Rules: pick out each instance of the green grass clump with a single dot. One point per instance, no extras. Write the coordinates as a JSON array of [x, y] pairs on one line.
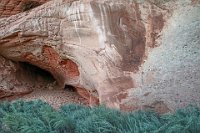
[[40, 117]]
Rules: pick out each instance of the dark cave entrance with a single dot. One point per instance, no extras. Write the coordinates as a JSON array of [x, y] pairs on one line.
[[36, 76], [33, 75], [39, 79], [32, 82], [70, 88]]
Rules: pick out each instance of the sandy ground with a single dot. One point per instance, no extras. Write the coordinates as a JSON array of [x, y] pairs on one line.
[[55, 98]]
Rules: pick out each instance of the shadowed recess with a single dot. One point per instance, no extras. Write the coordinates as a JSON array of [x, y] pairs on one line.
[[28, 5], [29, 72]]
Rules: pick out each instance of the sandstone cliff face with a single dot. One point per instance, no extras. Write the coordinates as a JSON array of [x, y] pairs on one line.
[[14, 80], [126, 54]]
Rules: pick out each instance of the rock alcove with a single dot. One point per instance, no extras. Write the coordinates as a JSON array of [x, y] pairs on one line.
[[28, 81], [33, 75], [39, 78]]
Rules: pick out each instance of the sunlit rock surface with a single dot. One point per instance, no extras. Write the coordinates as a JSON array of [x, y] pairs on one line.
[[125, 54]]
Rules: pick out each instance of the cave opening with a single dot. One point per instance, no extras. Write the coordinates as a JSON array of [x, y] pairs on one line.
[[44, 86], [33, 75], [30, 4], [37, 76], [70, 88]]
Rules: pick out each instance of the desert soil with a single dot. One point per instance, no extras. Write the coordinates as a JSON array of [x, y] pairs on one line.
[[55, 98]]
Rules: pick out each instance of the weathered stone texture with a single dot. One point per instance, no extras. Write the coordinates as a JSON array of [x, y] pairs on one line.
[[12, 7], [126, 54]]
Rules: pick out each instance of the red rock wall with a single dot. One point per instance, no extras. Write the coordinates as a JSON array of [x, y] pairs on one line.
[[12, 7]]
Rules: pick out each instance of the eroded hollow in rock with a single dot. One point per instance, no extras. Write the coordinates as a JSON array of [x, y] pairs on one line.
[[43, 85], [32, 82], [33, 75], [30, 4], [70, 88]]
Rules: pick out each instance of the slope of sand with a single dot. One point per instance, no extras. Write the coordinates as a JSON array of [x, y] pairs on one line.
[[55, 98]]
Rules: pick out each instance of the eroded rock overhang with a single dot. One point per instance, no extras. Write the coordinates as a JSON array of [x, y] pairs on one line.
[[103, 47]]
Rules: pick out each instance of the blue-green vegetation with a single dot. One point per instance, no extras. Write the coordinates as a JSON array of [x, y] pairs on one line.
[[40, 117]]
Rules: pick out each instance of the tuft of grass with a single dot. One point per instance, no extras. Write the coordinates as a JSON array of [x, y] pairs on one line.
[[39, 117], [28, 5]]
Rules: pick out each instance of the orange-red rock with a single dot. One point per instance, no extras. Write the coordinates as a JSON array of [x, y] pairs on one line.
[[12, 7]]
